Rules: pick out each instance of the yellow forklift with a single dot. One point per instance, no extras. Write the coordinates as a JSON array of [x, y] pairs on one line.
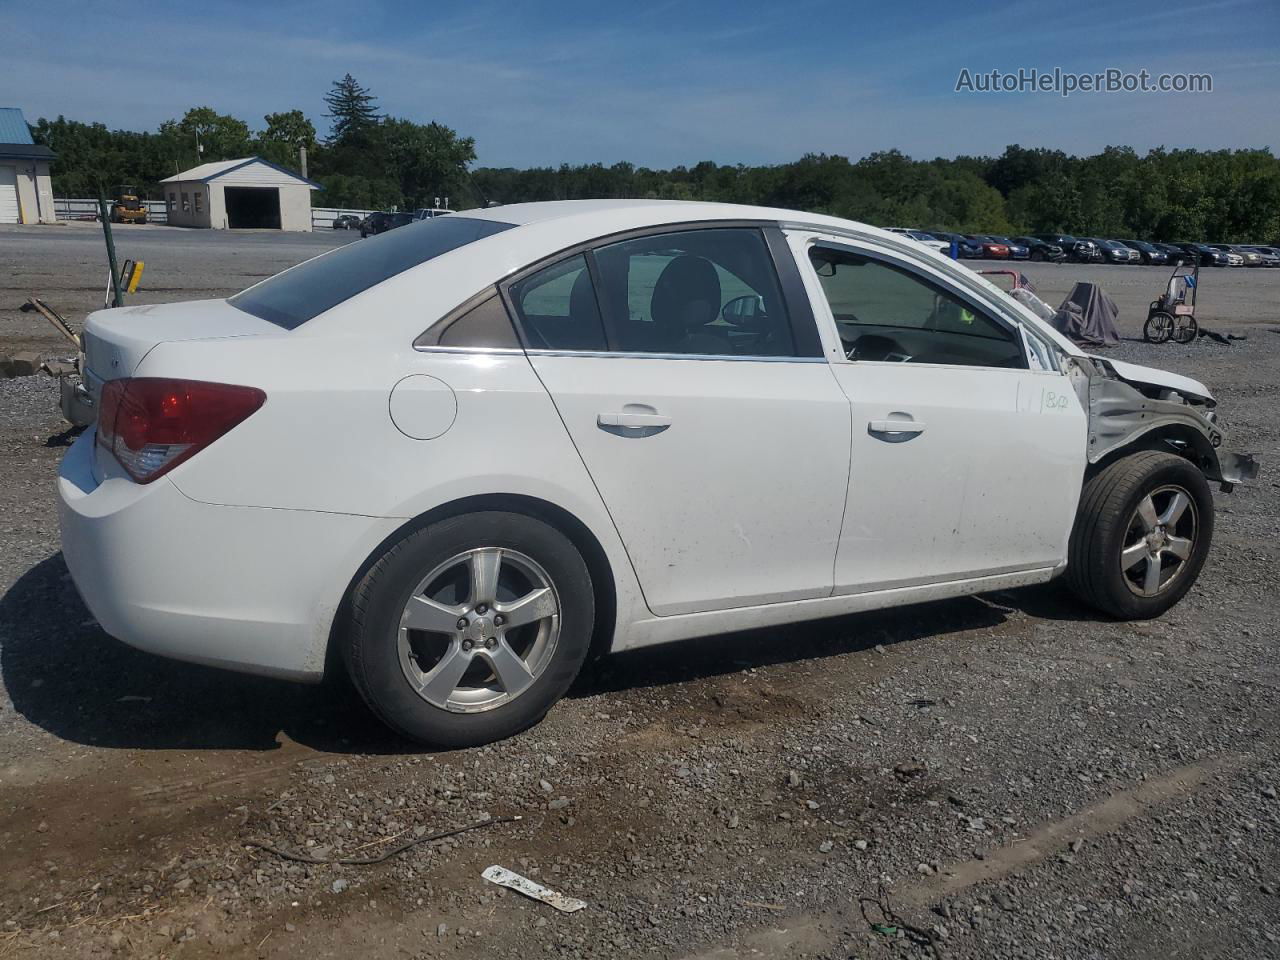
[[127, 208]]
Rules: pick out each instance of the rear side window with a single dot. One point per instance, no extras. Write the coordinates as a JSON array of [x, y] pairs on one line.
[[704, 292], [558, 309], [292, 298]]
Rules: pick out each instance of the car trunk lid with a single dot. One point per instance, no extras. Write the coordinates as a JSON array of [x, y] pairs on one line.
[[116, 341]]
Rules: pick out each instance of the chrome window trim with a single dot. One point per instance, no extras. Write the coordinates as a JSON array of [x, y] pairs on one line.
[[500, 351], [635, 355]]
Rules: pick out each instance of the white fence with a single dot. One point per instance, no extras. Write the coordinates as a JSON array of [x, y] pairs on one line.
[[322, 217], [157, 212], [65, 209]]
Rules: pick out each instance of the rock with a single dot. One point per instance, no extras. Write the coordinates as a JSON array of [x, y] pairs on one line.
[[1076, 844], [544, 786], [442, 930], [925, 869], [793, 779], [826, 846], [910, 770], [812, 804], [340, 885], [42, 828], [290, 928], [559, 803], [1269, 792], [860, 845]]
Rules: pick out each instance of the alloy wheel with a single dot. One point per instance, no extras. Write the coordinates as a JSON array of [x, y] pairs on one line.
[[1160, 539], [479, 629]]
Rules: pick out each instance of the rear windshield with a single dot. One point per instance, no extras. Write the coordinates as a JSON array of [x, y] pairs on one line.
[[292, 298]]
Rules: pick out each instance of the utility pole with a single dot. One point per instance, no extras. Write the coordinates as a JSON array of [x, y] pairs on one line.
[[302, 160]]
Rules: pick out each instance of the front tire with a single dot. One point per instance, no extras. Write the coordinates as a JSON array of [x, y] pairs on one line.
[[467, 631], [1141, 536]]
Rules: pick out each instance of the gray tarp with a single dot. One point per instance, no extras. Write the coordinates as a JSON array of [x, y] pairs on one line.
[[1088, 315]]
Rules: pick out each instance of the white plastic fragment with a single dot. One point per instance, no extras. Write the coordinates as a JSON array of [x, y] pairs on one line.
[[507, 878]]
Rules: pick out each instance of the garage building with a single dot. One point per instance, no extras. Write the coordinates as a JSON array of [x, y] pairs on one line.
[[249, 193], [26, 195]]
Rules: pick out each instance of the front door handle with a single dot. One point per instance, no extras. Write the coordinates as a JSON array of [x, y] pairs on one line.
[[633, 424], [895, 429]]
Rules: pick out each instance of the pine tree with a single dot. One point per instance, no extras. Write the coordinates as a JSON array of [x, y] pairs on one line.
[[351, 107]]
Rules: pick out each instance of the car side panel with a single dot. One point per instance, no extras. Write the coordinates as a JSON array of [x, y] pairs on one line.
[[327, 435]]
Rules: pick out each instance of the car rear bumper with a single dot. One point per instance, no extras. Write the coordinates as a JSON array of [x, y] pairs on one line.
[[244, 588]]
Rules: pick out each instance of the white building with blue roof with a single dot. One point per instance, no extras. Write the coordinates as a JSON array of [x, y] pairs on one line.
[[26, 193]]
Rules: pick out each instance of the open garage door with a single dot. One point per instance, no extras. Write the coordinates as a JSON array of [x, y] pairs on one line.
[[253, 207], [8, 194]]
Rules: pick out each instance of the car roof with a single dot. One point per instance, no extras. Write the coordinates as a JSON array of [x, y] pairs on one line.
[[563, 223]]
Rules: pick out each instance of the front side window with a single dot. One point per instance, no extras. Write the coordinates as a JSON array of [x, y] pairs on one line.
[[887, 313], [707, 292], [292, 298]]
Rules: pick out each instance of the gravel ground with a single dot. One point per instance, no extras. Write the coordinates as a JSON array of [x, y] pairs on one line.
[[1007, 775]]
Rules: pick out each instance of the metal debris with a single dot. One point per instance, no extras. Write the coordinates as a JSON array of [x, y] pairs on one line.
[[507, 878]]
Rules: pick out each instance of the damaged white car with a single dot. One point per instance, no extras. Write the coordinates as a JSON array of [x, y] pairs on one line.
[[461, 456]]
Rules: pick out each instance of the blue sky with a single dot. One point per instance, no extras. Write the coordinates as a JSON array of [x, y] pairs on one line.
[[663, 82]]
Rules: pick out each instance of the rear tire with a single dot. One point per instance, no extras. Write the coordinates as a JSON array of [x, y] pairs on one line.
[[440, 657], [1147, 510]]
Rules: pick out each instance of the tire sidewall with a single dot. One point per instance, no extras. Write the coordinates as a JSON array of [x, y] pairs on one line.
[[375, 653]]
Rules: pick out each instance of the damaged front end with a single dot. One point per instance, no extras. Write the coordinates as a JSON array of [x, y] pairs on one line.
[[1135, 407]]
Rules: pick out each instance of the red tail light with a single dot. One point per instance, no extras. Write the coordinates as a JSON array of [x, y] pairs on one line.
[[152, 424]]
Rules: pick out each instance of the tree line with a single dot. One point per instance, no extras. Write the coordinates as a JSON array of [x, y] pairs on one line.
[[373, 161]]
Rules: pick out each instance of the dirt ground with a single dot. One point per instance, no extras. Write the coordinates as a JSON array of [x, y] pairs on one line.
[[998, 776]]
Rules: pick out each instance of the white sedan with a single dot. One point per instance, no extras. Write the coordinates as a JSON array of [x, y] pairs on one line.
[[458, 457]]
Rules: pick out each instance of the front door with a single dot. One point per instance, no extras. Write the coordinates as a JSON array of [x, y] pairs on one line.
[[706, 415], [967, 455]]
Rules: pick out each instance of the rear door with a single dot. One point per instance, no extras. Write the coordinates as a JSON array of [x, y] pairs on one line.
[[698, 397], [968, 445]]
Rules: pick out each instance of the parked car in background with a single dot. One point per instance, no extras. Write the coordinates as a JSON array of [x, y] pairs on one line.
[[1042, 250], [1209, 256], [1149, 252], [346, 221], [1234, 257], [1174, 254], [381, 222], [487, 455], [928, 239], [991, 249], [1113, 251], [428, 213], [1017, 251], [1077, 249], [1270, 256], [1252, 258], [966, 249]]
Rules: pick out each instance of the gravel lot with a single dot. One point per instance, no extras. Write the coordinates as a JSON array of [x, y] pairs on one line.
[[1007, 774]]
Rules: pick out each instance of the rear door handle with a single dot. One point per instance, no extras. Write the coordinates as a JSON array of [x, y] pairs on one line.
[[650, 423], [911, 427]]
